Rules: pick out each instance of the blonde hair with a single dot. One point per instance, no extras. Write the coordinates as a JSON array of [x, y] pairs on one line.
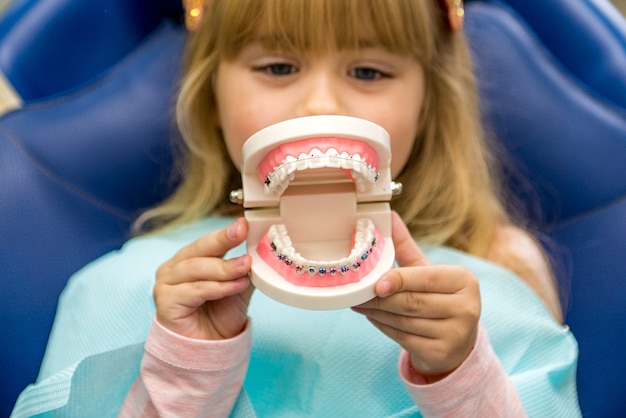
[[449, 194]]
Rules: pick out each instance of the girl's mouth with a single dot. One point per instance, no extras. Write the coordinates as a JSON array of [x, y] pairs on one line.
[[316, 193]]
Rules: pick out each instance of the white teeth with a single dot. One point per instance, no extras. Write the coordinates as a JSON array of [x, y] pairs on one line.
[[302, 162], [364, 245], [289, 164], [282, 173], [346, 162], [356, 158], [317, 159], [333, 158], [364, 174]]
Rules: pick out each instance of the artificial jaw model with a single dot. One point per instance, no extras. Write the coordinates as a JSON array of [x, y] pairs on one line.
[[316, 194]]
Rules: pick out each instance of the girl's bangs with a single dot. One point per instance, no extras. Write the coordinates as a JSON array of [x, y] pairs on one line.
[[400, 26]]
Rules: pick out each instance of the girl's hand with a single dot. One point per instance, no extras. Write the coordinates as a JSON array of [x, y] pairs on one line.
[[198, 294], [431, 311]]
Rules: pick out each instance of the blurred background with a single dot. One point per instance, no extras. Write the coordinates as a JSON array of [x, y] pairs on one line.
[[3, 3], [556, 98]]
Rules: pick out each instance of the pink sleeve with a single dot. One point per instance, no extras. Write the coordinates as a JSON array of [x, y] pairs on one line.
[[478, 388], [184, 377]]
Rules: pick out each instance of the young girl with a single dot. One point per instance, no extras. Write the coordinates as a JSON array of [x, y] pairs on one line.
[[439, 344]]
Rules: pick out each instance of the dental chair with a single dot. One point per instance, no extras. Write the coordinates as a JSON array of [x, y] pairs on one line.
[[51, 48], [553, 86], [85, 155]]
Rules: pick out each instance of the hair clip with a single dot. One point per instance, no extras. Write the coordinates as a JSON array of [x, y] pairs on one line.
[[193, 13], [456, 14]]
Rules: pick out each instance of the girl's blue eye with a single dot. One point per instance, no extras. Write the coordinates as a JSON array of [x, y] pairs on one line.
[[278, 69], [366, 74]]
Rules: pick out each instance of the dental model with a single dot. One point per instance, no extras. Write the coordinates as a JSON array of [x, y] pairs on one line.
[[315, 194]]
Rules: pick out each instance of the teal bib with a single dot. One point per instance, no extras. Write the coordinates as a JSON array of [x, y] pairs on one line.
[[303, 363]]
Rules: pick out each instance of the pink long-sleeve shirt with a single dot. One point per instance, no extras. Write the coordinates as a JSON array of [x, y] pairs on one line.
[[194, 378]]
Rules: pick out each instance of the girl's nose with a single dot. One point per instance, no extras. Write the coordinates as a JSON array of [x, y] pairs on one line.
[[321, 95]]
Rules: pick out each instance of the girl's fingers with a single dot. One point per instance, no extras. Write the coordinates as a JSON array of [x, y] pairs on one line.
[[401, 324], [194, 294], [204, 268], [417, 305], [215, 244], [426, 279], [432, 292], [431, 356], [408, 252]]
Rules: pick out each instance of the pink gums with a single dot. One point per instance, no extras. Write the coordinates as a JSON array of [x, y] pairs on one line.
[[288, 272], [351, 146]]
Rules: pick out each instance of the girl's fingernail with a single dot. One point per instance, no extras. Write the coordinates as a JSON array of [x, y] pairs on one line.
[[240, 261], [384, 288], [233, 230]]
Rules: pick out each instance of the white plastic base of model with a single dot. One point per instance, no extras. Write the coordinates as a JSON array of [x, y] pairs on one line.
[[320, 212]]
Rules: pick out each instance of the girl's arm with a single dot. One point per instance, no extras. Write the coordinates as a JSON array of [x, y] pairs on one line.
[[186, 377], [480, 386]]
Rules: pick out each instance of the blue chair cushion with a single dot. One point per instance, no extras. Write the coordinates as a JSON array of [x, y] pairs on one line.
[[76, 172]]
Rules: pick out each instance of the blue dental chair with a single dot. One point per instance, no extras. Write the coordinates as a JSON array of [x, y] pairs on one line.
[[90, 149], [51, 48], [83, 156]]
